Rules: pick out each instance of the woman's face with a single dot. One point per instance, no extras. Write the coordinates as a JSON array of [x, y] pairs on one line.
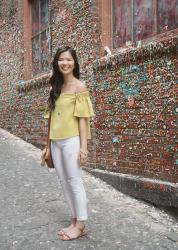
[[66, 63]]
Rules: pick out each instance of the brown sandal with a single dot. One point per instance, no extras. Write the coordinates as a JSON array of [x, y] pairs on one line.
[[67, 237]]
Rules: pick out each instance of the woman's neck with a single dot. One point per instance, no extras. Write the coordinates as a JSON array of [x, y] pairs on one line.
[[68, 79]]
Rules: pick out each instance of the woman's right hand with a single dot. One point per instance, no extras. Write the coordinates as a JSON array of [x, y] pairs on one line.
[[83, 154]]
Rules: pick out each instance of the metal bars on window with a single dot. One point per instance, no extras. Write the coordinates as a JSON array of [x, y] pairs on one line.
[[40, 36]]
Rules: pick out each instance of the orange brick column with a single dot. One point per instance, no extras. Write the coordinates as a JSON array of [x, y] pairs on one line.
[[27, 39], [105, 13]]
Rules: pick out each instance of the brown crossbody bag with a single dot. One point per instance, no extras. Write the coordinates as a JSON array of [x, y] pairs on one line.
[[46, 153]]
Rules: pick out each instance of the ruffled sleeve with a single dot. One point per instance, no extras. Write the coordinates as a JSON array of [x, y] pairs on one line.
[[83, 105]]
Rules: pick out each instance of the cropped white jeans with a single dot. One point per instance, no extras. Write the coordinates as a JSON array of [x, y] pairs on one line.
[[65, 157]]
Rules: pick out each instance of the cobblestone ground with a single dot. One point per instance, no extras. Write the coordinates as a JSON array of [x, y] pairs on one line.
[[32, 209]]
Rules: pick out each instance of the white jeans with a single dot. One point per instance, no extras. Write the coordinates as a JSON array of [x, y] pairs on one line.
[[65, 157]]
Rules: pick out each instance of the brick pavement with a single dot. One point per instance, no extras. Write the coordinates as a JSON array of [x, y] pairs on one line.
[[33, 209]]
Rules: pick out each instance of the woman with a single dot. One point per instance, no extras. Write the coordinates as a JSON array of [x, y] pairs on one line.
[[70, 107]]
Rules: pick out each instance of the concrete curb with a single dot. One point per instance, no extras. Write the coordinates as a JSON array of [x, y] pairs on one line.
[[157, 192]]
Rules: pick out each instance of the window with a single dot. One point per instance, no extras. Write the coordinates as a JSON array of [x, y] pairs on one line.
[[143, 19], [122, 24], [167, 15], [40, 36], [135, 20]]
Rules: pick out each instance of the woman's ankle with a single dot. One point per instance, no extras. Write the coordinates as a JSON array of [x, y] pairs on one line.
[[80, 224], [74, 220]]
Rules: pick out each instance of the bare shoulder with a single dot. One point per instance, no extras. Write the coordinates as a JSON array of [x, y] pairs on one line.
[[81, 87]]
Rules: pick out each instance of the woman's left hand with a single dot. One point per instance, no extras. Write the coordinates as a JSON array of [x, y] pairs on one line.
[[83, 154]]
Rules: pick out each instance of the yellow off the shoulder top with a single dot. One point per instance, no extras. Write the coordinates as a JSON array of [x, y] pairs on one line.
[[64, 118]]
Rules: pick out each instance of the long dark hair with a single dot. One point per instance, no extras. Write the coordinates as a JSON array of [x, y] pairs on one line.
[[57, 79]]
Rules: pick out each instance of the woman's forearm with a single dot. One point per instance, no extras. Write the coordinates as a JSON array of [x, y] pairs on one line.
[[83, 132]]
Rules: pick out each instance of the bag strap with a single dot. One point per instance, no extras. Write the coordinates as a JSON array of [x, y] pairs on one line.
[[49, 121]]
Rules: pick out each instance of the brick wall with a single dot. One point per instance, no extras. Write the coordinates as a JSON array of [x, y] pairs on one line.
[[136, 111], [11, 69]]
